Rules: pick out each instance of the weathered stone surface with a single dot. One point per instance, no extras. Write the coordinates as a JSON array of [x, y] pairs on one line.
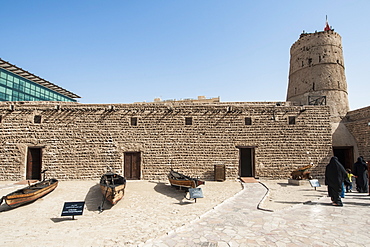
[[79, 140], [317, 69], [358, 123]]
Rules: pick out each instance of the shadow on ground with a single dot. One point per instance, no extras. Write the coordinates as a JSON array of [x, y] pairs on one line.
[[4, 208], [57, 220], [173, 192], [94, 199]]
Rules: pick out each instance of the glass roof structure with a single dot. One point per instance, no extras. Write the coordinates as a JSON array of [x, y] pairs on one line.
[[17, 84]]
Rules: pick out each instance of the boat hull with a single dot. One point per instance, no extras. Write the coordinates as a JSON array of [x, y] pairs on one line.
[[31, 193], [179, 180], [112, 187], [113, 194], [182, 183]]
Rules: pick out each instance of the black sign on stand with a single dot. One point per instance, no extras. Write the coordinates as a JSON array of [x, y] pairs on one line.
[[73, 208]]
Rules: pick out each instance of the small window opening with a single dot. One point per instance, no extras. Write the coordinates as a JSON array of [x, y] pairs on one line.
[[291, 120], [309, 61], [37, 119], [134, 121], [313, 86], [1, 118], [248, 121], [319, 59], [188, 121]]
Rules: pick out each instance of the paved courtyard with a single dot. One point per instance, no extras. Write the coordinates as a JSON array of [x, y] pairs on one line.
[[238, 222]]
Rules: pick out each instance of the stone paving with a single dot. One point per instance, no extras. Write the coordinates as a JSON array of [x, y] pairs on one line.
[[238, 222]]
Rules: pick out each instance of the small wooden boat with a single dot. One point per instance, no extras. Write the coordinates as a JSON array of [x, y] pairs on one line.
[[180, 180], [30, 193], [112, 186]]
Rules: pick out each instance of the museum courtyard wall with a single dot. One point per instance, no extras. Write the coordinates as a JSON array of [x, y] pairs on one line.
[[79, 141], [358, 123]]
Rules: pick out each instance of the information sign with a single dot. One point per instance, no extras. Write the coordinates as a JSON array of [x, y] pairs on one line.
[[196, 193], [73, 208], [315, 183]]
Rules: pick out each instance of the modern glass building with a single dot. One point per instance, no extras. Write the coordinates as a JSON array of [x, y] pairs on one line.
[[17, 84]]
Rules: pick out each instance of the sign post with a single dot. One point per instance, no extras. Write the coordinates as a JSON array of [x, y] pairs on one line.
[[73, 208]]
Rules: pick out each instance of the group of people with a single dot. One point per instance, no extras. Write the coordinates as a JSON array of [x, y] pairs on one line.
[[336, 178]]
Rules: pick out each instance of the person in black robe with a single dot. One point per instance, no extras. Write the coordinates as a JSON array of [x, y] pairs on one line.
[[360, 171], [335, 174]]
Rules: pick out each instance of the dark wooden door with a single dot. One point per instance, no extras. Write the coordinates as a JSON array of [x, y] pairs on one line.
[[345, 156], [246, 162], [132, 165], [34, 158]]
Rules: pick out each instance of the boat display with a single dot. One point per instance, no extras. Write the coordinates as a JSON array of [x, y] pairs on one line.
[[180, 180], [30, 193], [112, 186]]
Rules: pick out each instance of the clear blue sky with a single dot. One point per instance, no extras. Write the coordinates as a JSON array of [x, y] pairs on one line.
[[123, 51]]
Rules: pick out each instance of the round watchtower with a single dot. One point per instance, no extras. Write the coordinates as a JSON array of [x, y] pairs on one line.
[[316, 74]]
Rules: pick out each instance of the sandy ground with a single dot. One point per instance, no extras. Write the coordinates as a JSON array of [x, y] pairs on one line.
[[148, 209]]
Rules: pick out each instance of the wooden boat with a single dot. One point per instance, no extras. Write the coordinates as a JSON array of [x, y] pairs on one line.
[[30, 193], [301, 173], [112, 186], [180, 180]]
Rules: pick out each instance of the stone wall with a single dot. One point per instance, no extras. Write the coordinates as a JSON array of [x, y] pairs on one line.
[[78, 140], [358, 123]]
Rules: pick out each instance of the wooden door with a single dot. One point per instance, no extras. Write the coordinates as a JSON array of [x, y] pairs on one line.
[[132, 165], [34, 158], [345, 156]]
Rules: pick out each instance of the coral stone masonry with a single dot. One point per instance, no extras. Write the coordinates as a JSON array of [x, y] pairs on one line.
[[79, 141], [317, 70]]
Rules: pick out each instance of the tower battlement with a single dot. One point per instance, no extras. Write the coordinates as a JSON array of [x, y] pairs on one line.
[[320, 38], [317, 33]]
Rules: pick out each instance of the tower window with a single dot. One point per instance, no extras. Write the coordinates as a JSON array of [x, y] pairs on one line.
[[291, 120], [134, 121], [309, 61], [313, 86], [248, 121], [188, 121], [37, 119]]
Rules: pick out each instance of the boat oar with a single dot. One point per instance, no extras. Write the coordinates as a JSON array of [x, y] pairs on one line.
[[101, 206], [43, 172], [105, 196]]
